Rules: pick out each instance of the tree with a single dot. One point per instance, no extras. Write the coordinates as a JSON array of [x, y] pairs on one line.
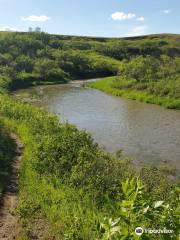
[[30, 29], [38, 29]]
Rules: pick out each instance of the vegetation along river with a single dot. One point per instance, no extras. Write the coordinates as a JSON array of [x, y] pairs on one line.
[[147, 133]]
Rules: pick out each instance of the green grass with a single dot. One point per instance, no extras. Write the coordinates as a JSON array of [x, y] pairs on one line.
[[105, 85]]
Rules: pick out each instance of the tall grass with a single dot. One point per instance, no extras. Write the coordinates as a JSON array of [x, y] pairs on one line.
[[105, 85]]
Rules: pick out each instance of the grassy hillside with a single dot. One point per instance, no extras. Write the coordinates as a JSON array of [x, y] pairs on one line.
[[147, 79], [152, 78], [107, 85]]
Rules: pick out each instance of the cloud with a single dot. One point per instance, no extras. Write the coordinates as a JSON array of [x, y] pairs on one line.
[[141, 19], [122, 16], [8, 29], [33, 18], [138, 30], [166, 11]]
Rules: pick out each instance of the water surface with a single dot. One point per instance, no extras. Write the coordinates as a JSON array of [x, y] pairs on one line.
[[147, 133]]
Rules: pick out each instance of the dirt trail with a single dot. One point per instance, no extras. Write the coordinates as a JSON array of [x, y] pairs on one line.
[[9, 224]]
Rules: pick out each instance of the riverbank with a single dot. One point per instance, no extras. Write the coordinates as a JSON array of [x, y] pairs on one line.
[[105, 85], [69, 186]]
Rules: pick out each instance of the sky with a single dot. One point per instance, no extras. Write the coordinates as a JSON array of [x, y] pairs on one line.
[[103, 18]]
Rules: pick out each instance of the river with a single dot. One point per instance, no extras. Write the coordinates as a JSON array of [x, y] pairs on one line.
[[146, 133]]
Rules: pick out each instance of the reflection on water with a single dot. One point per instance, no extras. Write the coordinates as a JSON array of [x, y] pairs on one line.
[[147, 133]]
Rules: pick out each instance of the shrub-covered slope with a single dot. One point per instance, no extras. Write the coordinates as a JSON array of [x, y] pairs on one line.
[[37, 58], [71, 189]]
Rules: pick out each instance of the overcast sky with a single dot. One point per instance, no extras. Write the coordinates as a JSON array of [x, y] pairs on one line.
[[109, 18]]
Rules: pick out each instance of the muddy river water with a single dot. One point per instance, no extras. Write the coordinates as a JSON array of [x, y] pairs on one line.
[[147, 133]]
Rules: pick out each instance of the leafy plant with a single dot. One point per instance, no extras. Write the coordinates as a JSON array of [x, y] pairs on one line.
[[135, 210]]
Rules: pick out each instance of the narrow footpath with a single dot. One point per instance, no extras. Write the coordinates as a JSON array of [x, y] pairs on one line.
[[9, 223]]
